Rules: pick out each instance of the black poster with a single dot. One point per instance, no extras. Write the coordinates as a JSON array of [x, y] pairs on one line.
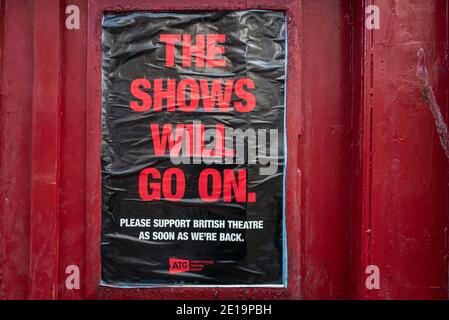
[[193, 149]]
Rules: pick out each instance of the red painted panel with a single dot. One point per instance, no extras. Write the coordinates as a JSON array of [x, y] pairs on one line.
[[359, 143], [15, 146], [408, 214], [324, 149], [45, 152], [73, 153], [399, 180]]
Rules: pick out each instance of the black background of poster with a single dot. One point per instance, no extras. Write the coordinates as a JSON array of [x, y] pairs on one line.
[[255, 48]]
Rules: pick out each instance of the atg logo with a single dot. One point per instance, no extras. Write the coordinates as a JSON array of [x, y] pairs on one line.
[[178, 265]]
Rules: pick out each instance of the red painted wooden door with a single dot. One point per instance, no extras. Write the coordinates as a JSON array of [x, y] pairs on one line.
[[366, 177]]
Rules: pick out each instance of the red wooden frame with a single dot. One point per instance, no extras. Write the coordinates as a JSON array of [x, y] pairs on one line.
[[93, 144], [46, 127]]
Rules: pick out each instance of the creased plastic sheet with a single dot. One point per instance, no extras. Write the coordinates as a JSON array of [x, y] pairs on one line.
[[193, 149]]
